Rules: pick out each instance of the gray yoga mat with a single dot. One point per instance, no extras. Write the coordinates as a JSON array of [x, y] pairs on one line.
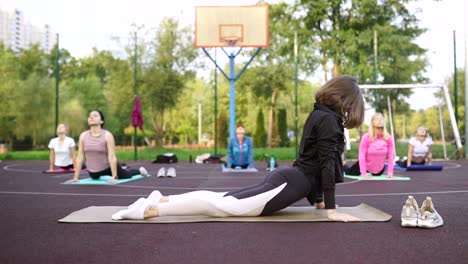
[[102, 214]]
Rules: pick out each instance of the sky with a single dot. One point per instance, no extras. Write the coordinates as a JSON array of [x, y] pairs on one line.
[[84, 24]]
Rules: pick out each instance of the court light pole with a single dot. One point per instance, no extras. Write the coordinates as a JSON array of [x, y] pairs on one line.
[[466, 79], [296, 129], [57, 79], [455, 75], [215, 105], [135, 89]]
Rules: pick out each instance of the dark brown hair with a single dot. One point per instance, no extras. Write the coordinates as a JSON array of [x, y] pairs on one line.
[[102, 117], [342, 94]]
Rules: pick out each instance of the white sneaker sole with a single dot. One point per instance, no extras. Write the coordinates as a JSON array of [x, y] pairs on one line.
[[428, 224], [409, 222]]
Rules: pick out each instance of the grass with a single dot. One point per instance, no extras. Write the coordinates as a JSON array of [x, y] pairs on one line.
[[149, 154]]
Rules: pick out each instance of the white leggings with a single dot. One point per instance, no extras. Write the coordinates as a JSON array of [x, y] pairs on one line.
[[215, 204]]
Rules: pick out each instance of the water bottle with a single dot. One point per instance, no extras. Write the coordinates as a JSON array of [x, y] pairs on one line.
[[272, 164]]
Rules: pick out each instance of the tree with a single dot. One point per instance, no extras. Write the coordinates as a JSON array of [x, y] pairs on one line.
[[343, 32], [33, 98], [260, 135], [283, 128], [223, 129], [8, 85], [168, 71]]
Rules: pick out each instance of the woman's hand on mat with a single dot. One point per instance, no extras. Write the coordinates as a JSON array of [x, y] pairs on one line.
[[365, 176], [113, 180], [335, 216], [72, 180]]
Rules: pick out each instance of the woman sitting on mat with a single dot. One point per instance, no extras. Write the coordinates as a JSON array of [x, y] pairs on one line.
[[376, 146], [240, 151], [317, 169], [419, 149], [97, 147], [62, 150]]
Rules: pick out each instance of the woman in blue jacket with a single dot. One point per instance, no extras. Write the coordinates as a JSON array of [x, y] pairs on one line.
[[240, 150]]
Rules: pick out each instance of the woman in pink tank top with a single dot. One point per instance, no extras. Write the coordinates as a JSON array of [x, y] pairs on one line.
[[375, 148], [96, 146]]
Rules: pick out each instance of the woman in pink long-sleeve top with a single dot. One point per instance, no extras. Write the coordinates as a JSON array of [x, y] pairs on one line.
[[376, 146]]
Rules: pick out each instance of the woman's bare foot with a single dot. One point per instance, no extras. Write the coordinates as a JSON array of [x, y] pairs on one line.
[[320, 205], [150, 213]]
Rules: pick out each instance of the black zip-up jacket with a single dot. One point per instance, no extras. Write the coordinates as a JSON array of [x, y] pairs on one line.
[[322, 145]]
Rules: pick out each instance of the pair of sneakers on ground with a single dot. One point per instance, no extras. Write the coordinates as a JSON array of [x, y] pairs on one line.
[[171, 172], [426, 216]]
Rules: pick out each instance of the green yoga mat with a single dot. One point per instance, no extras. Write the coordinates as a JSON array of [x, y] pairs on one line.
[[379, 178], [103, 180], [102, 214]]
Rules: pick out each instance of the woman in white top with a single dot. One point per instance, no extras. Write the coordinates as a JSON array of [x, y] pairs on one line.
[[62, 150], [419, 147]]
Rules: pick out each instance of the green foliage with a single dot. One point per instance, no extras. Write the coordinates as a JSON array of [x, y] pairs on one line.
[[169, 57], [148, 154], [283, 128], [32, 118], [338, 33], [223, 130], [343, 32], [260, 136]]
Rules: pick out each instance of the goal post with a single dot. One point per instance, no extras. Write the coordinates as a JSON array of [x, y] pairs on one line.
[[448, 102]]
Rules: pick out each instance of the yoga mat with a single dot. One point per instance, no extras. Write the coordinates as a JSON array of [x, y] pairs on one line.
[[379, 178], [102, 214], [103, 180], [62, 171], [224, 169], [415, 167]]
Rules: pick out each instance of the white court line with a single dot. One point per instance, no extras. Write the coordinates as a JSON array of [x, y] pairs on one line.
[[139, 195], [68, 194], [8, 168]]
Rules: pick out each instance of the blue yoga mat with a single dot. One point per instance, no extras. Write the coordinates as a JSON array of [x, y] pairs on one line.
[[415, 167], [103, 180], [379, 178], [238, 170]]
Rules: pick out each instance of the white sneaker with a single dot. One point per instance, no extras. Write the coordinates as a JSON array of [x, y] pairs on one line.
[[171, 172], [161, 172], [428, 216], [409, 213], [144, 172]]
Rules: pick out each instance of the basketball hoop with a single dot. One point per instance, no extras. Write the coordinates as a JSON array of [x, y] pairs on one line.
[[233, 42], [231, 26]]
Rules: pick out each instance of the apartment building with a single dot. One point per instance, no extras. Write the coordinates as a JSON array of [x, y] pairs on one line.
[[17, 33]]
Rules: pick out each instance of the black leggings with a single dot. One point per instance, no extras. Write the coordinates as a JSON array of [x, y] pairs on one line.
[[356, 171], [297, 187], [121, 173], [404, 163], [69, 167]]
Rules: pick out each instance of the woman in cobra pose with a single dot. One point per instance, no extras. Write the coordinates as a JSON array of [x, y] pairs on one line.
[[318, 168], [97, 147]]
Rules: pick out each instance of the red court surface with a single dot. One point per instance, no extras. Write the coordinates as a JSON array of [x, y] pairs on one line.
[[32, 202]]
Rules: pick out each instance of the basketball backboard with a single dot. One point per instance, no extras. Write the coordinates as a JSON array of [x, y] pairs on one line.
[[228, 26]]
